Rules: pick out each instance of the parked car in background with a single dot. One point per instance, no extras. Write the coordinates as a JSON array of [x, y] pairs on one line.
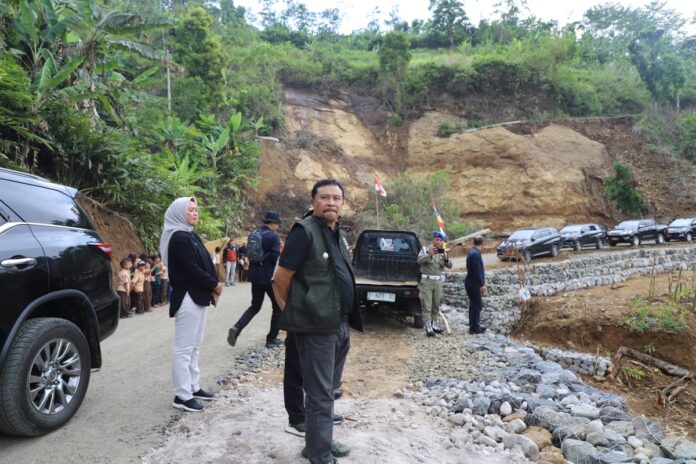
[[530, 242], [637, 231], [57, 304], [577, 236], [386, 269], [682, 229]]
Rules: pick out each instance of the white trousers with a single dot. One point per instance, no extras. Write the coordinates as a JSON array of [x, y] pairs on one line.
[[188, 335], [230, 268]]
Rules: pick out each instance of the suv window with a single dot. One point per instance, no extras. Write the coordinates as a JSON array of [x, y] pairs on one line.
[[593, 228], [44, 205]]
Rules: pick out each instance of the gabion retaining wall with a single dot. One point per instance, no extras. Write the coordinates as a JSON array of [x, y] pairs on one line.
[[501, 308]]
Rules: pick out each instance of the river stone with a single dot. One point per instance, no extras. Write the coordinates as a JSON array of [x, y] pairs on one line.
[[634, 441], [505, 409], [547, 418], [597, 438], [540, 436], [624, 428], [480, 405], [584, 410], [580, 451], [496, 433], [679, 447], [529, 448], [611, 414], [648, 429], [553, 455], [515, 415], [546, 391], [614, 457], [518, 426], [661, 461], [644, 451]]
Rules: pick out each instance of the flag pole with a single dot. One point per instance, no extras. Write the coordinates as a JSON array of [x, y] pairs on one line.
[[377, 206]]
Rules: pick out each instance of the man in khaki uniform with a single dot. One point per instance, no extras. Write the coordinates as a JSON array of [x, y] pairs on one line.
[[432, 262]]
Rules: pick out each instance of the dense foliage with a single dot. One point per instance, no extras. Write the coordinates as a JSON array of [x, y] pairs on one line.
[[621, 188], [138, 102]]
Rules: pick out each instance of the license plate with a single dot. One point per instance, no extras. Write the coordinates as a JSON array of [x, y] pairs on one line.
[[615, 239], [378, 296]]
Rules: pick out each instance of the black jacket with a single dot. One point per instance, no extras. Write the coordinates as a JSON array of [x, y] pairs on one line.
[[191, 271], [263, 273], [475, 275]]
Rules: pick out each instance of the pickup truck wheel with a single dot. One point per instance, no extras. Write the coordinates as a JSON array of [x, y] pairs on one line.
[[689, 237], [45, 377], [577, 246], [635, 241], [418, 321], [660, 239], [554, 250], [599, 244], [527, 255]]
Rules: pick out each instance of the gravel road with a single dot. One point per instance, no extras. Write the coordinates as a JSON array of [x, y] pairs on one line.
[[130, 398]]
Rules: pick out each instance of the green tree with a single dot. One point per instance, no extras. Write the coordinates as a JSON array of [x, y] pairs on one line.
[[621, 188], [448, 16], [394, 55]]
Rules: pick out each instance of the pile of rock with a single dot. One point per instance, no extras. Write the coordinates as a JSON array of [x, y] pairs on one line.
[[581, 363], [537, 408]]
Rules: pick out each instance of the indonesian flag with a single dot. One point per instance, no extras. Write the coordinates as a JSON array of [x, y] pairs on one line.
[[379, 188]]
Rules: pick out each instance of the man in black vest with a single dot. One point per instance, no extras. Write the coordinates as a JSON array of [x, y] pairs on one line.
[[315, 287], [475, 285], [260, 275]]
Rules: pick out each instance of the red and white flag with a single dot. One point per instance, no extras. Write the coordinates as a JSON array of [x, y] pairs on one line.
[[379, 188]]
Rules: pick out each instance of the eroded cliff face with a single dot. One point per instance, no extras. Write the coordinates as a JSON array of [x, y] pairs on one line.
[[543, 174]]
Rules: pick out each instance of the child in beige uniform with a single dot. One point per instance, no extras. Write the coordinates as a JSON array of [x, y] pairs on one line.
[[124, 287], [139, 286]]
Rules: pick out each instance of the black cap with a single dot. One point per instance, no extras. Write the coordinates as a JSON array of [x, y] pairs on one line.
[[272, 216]]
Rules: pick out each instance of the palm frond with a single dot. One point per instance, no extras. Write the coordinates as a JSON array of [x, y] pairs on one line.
[[141, 49]]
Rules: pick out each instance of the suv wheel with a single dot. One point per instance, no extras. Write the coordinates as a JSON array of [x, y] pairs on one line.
[[418, 321], [577, 246], [660, 239], [635, 241], [689, 237], [554, 250], [599, 244], [527, 255], [45, 377]]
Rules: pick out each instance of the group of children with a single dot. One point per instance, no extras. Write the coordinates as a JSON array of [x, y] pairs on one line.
[[143, 284]]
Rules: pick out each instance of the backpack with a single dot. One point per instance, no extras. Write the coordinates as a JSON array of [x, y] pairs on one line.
[[255, 247]]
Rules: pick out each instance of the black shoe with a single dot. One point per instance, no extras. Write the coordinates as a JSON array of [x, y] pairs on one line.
[[189, 405], [203, 395], [437, 330], [430, 333], [337, 394], [479, 331], [275, 343], [232, 336], [337, 419]]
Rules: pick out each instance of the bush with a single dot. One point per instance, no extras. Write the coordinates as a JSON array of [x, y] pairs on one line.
[[621, 189], [686, 135]]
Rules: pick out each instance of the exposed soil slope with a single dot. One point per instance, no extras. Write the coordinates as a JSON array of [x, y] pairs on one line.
[[529, 174]]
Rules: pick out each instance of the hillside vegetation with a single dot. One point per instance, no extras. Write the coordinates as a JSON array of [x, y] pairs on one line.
[[137, 102]]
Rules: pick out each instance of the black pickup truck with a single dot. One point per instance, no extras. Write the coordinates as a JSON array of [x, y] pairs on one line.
[[386, 269]]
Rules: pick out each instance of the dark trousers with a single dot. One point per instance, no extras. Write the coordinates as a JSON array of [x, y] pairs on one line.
[[292, 377], [125, 303], [155, 293], [475, 303], [139, 302], [147, 295], [318, 357], [164, 290], [258, 291]]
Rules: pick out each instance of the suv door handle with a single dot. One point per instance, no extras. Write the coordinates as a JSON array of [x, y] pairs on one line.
[[17, 262]]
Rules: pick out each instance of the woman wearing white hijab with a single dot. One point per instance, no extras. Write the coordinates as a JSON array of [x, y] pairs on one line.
[[194, 286]]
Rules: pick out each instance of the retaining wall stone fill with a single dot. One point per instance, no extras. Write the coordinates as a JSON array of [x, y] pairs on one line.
[[501, 305]]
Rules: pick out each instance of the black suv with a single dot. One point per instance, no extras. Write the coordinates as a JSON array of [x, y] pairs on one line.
[[577, 236], [58, 303], [527, 243], [637, 231], [682, 229]]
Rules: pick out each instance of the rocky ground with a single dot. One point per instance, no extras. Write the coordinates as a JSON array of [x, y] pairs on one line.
[[462, 399]]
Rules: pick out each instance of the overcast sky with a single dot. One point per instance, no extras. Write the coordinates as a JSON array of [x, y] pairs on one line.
[[357, 13]]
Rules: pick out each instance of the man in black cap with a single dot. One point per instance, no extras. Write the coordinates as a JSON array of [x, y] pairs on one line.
[[260, 275]]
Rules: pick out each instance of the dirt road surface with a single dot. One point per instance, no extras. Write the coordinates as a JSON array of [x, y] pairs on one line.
[[130, 398]]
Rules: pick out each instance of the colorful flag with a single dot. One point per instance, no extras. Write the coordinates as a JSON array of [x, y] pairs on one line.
[[438, 218], [379, 188]]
